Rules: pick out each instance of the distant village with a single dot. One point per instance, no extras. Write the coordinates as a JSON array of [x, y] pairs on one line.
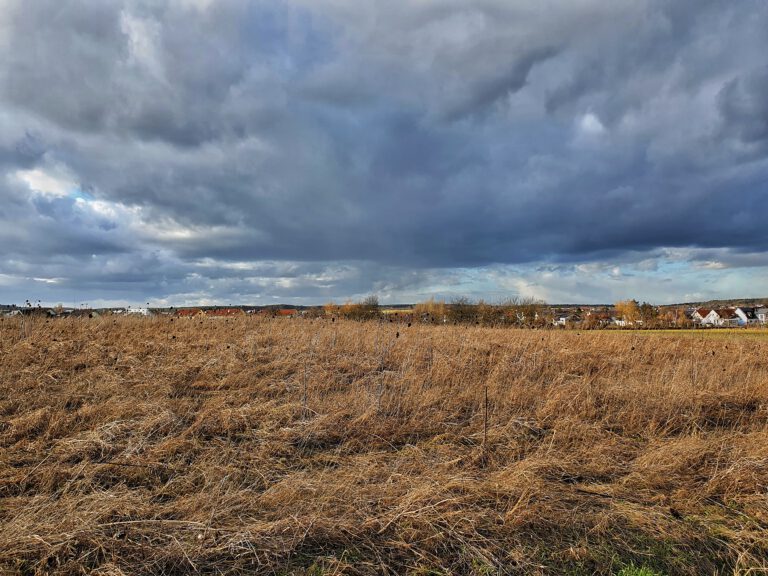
[[669, 317], [626, 314]]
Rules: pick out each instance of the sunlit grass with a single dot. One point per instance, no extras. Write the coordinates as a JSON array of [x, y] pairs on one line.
[[290, 446], [700, 332]]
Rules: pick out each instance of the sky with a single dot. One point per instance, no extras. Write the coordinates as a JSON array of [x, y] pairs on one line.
[[192, 152]]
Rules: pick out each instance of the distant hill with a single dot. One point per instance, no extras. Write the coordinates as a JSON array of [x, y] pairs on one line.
[[724, 303]]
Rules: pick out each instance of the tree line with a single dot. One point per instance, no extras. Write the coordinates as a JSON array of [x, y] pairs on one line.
[[522, 312], [519, 312]]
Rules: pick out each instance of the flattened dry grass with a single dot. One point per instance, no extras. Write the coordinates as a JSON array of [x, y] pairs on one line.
[[718, 333], [286, 446]]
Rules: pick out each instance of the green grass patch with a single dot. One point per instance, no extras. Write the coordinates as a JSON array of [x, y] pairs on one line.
[[633, 570]]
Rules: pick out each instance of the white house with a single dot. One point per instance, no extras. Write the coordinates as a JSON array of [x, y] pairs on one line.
[[762, 315], [139, 311], [726, 317], [700, 314], [719, 317], [746, 316]]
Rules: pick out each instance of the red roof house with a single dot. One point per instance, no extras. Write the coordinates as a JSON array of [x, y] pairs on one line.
[[225, 312]]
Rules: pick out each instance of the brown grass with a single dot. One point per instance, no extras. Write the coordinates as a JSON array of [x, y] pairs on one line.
[[236, 446]]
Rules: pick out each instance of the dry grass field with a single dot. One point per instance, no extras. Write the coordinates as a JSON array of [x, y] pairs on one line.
[[241, 446]]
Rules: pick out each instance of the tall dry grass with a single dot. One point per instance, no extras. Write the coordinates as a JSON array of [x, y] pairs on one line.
[[135, 446]]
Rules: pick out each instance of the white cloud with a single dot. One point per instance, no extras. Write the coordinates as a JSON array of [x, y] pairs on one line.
[[49, 183], [200, 5], [590, 125], [143, 39]]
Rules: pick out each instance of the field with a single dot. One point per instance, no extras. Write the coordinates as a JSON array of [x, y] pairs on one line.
[[288, 446]]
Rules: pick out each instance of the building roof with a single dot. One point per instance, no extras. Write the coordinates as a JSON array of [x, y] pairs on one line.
[[748, 312], [727, 313], [600, 315], [188, 312], [225, 312]]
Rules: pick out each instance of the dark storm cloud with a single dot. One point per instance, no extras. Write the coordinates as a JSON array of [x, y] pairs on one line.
[[743, 104], [141, 138], [35, 228]]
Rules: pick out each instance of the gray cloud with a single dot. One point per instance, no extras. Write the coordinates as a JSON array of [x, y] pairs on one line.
[[140, 138], [743, 103]]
